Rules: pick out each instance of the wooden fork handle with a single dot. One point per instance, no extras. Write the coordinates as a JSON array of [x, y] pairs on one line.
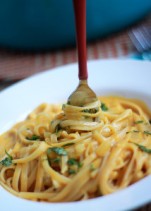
[[80, 22]]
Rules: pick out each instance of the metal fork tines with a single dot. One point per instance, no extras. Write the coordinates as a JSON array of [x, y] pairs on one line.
[[141, 37]]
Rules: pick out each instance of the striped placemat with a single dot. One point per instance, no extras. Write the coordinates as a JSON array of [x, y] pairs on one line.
[[18, 65]]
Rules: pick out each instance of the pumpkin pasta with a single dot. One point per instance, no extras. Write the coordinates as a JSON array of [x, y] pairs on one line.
[[68, 153]]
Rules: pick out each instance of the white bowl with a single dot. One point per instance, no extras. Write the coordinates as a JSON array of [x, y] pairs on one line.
[[114, 77]]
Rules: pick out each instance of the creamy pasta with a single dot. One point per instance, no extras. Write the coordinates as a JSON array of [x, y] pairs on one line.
[[66, 153]]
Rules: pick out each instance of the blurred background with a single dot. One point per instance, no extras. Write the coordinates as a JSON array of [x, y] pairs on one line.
[[36, 35]]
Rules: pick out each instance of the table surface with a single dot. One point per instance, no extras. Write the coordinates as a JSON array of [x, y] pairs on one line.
[[15, 66]]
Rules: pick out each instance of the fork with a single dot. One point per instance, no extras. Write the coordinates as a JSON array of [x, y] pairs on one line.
[[141, 38]]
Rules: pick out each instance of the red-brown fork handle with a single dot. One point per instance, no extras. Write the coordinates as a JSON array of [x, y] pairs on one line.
[[80, 21]]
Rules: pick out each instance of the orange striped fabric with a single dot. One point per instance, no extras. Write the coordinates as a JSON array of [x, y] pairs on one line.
[[19, 65]]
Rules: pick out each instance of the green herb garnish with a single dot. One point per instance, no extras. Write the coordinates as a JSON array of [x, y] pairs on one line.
[[7, 161], [33, 138], [54, 160], [63, 106], [69, 144], [136, 131], [143, 148], [91, 110], [73, 161], [72, 171], [147, 132], [139, 122], [92, 167], [133, 131], [58, 128], [80, 165], [57, 150], [104, 107]]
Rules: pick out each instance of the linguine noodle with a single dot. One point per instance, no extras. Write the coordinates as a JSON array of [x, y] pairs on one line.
[[68, 153]]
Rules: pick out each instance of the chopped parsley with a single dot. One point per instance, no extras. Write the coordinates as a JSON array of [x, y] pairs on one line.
[[133, 131], [91, 110], [104, 107], [147, 132], [143, 148], [136, 131], [7, 161], [139, 122], [92, 167], [72, 171], [58, 128], [33, 138], [73, 161], [68, 144], [54, 160], [63, 106], [58, 150]]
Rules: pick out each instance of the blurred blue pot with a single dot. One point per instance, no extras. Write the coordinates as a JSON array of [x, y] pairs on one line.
[[49, 24]]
